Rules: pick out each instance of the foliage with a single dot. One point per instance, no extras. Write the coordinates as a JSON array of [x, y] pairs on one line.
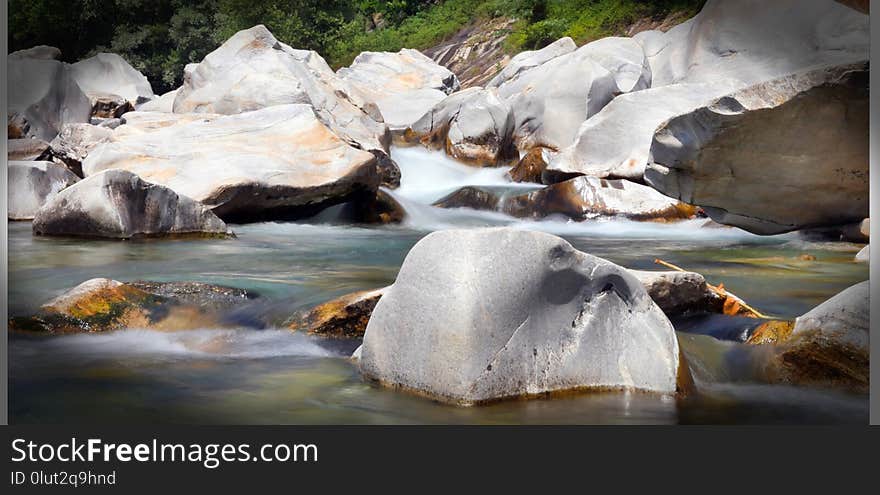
[[159, 37]]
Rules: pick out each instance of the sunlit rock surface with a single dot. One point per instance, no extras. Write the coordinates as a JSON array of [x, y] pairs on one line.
[[404, 85], [474, 126], [253, 70], [279, 161], [552, 100], [727, 46], [479, 315], [526, 60]]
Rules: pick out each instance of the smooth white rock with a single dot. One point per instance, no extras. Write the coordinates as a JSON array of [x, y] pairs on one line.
[[484, 314]]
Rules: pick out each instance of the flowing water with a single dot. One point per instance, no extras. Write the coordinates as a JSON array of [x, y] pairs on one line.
[[260, 374]]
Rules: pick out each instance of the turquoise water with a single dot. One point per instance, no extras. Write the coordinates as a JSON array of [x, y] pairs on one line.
[[256, 374]]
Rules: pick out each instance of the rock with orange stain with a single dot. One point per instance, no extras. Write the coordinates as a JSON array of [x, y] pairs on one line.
[[473, 126], [101, 305], [404, 84], [277, 162], [589, 197], [344, 317], [530, 167], [118, 204], [771, 332], [829, 345]]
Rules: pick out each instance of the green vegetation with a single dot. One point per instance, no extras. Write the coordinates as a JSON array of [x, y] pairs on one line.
[[159, 37]]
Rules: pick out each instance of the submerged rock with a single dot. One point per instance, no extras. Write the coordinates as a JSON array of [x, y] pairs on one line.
[[515, 313], [781, 181], [344, 317], [404, 85], [473, 126], [43, 96], [34, 183], [101, 305], [197, 294], [771, 332], [119, 204], [277, 162], [589, 197], [829, 345]]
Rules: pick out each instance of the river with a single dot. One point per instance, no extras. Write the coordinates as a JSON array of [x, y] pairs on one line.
[[257, 373]]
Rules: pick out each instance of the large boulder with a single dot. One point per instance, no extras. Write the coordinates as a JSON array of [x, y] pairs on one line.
[[42, 96], [32, 184], [616, 142], [474, 126], [515, 314], [783, 155], [584, 198], [404, 85], [729, 45], [553, 99], [527, 60], [108, 74], [829, 346], [118, 204], [253, 70], [280, 161], [75, 142]]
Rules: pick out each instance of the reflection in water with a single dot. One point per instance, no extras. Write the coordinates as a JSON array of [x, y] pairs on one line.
[[274, 376]]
